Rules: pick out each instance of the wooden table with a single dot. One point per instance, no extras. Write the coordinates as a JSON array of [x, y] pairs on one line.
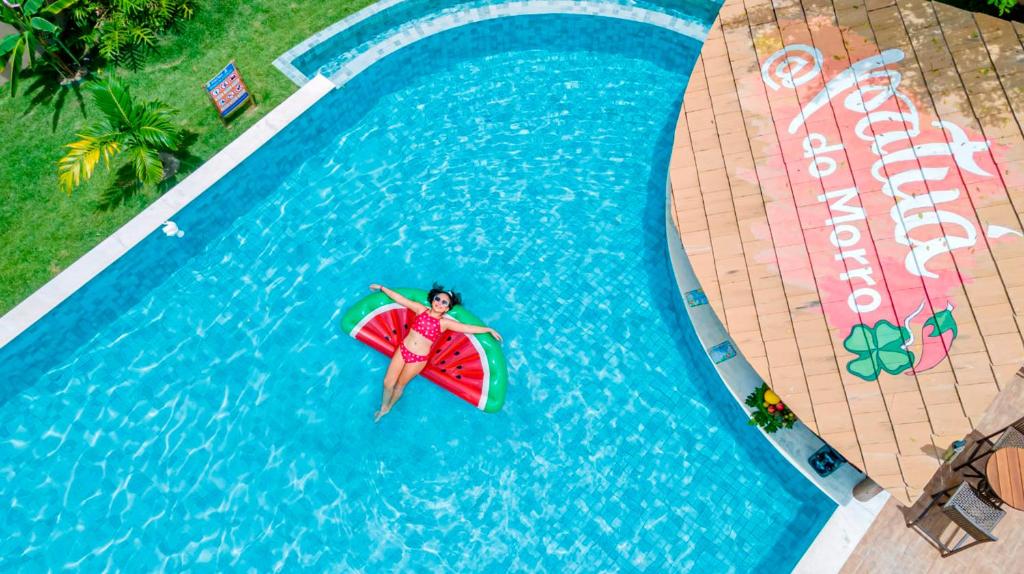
[[1005, 474]]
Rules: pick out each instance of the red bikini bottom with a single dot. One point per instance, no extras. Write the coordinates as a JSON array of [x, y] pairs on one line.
[[411, 357]]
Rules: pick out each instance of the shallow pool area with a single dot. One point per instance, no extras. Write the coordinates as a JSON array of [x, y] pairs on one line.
[[343, 49], [197, 405]]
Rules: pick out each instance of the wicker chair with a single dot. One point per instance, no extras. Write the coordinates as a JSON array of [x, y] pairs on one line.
[[1012, 436], [974, 512]]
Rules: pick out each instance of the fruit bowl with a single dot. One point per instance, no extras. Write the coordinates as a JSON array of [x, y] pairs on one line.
[[769, 412]]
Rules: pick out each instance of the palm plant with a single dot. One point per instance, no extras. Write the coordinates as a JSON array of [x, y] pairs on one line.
[[141, 133], [36, 36]]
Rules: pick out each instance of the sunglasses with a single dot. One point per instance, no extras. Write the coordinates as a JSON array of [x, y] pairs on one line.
[[442, 300]]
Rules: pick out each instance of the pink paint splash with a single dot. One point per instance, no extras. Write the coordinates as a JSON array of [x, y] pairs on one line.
[[871, 199]]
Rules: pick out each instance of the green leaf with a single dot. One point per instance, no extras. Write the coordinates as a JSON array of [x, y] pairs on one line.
[[113, 99], [888, 335], [95, 143], [895, 362], [153, 125], [143, 35], [860, 340], [148, 167], [59, 6], [941, 322], [14, 64], [44, 25], [864, 367], [8, 43], [1003, 6], [755, 399], [31, 7]]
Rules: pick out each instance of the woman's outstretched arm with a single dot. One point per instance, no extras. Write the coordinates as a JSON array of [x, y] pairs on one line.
[[399, 298], [464, 328]]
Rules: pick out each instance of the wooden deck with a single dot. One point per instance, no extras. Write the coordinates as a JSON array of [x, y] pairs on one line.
[[863, 244]]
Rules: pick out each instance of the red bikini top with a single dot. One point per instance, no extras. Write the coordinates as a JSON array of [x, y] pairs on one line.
[[428, 326]]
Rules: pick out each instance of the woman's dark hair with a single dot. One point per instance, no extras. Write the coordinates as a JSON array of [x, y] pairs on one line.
[[437, 288]]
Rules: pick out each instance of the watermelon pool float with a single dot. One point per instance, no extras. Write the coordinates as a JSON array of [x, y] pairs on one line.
[[470, 366]]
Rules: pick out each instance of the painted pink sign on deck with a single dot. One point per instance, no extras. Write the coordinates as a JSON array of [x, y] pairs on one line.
[[882, 195]]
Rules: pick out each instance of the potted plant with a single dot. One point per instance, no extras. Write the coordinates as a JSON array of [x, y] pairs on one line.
[[770, 413]]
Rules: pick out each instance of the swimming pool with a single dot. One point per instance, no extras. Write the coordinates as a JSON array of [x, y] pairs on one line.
[[197, 404]]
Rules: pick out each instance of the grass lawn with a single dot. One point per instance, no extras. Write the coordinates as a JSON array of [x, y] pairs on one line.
[[42, 230]]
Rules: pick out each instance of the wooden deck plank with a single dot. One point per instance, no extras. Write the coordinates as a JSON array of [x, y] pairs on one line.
[[765, 236]]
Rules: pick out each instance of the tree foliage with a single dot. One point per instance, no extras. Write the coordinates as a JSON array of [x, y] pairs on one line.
[[123, 31], [1004, 6], [36, 37]]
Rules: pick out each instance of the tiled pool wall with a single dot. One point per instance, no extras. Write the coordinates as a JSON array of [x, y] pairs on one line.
[[347, 47]]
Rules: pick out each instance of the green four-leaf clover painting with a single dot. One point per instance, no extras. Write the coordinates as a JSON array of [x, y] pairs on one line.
[[879, 348]]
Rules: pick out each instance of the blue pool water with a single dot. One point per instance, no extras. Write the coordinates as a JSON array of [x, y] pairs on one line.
[[196, 406]]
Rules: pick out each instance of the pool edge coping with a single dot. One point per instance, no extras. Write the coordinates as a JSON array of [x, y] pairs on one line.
[[284, 62], [107, 252], [849, 522], [840, 536], [740, 378]]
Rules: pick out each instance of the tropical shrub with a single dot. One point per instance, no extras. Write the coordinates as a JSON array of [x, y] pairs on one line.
[[142, 135], [1004, 6], [122, 31], [769, 412], [36, 35]]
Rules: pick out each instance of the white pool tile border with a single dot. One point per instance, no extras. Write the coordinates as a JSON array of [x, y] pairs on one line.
[[21, 317], [284, 61], [839, 537], [431, 24]]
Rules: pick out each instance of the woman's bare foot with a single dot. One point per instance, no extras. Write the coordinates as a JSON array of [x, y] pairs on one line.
[[379, 414]]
